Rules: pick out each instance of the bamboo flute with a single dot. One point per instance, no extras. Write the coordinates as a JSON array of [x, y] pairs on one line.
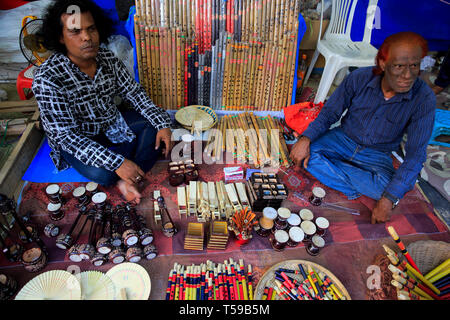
[[240, 145], [230, 138], [250, 81], [234, 67], [138, 48], [294, 55], [284, 79], [174, 67], [278, 78], [149, 63], [261, 140], [154, 66], [272, 92], [227, 75], [220, 62], [268, 77], [265, 137], [252, 143], [264, 26], [162, 64], [255, 140], [272, 145], [170, 67], [222, 147], [246, 143], [137, 3], [218, 151], [276, 21], [144, 56], [260, 75], [273, 12], [213, 82], [283, 148], [218, 74], [180, 64], [246, 82], [238, 77]]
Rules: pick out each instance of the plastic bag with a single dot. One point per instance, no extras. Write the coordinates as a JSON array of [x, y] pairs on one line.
[[299, 116], [123, 50]]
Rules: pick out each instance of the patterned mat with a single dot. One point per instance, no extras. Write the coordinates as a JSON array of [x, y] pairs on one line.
[[413, 215]]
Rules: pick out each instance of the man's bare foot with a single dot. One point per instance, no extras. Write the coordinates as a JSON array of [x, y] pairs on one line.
[[129, 191]]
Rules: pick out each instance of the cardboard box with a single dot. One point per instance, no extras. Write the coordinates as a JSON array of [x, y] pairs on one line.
[[309, 40]]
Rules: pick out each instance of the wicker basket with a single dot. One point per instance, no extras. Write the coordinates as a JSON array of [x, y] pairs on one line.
[[428, 254], [191, 115]]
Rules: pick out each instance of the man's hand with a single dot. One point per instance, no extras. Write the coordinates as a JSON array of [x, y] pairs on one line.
[[300, 152], [382, 211], [164, 135], [130, 172]]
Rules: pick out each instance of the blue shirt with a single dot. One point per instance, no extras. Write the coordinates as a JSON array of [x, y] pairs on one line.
[[374, 122]]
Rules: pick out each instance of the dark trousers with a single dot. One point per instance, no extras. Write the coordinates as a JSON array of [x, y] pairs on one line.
[[141, 150]]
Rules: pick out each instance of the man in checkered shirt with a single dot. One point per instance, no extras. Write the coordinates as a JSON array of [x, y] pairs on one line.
[[76, 89]]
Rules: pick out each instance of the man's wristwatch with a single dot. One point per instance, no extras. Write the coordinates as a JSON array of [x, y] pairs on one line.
[[393, 199]]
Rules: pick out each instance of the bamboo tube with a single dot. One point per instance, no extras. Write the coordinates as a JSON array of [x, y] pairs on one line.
[[180, 63], [283, 148], [159, 73], [250, 75], [230, 145], [240, 144], [258, 153], [261, 141], [227, 75], [221, 143], [250, 143], [138, 48], [292, 70], [239, 78], [149, 62], [260, 88], [284, 78]]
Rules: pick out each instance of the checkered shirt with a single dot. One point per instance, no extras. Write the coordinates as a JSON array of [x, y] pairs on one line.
[[74, 108]]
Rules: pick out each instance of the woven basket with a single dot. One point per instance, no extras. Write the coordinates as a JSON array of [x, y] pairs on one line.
[[428, 254], [192, 115]]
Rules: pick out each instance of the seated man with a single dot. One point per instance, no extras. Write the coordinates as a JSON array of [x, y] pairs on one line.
[[76, 89], [383, 103]]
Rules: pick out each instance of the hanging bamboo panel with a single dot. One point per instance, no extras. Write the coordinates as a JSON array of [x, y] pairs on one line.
[[231, 55]]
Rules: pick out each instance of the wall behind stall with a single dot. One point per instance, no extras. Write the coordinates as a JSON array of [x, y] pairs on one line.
[[429, 18]]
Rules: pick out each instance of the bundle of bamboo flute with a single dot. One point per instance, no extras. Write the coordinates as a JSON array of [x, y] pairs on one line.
[[249, 139], [233, 55], [312, 286], [210, 281]]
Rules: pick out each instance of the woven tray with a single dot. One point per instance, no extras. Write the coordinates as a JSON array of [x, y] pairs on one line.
[[268, 279], [428, 254], [188, 116]]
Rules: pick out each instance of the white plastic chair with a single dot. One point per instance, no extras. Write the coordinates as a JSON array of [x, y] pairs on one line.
[[337, 47]]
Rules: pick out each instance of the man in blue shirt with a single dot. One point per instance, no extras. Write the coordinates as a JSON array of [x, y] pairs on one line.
[[383, 103]]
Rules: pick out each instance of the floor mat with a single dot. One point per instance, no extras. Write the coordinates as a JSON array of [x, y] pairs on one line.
[[351, 242]]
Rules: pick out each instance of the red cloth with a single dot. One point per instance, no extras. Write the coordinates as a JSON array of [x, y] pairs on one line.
[[298, 116]]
